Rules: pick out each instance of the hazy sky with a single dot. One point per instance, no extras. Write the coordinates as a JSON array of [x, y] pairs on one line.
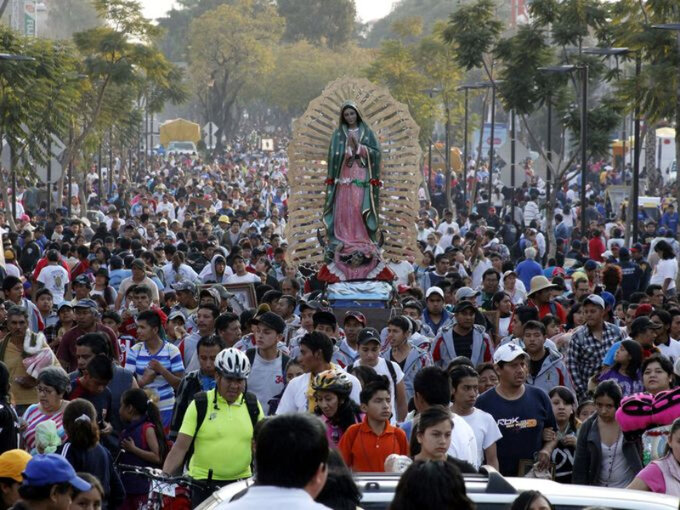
[[368, 10]]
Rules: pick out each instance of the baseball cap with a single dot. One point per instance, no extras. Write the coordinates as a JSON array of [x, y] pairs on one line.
[[642, 324], [465, 293], [508, 352], [368, 335], [595, 300], [13, 463], [463, 305], [65, 304], [139, 264], [50, 469], [185, 285], [356, 315], [590, 265], [608, 298], [312, 304], [637, 247], [86, 303], [177, 314], [434, 290], [271, 320], [83, 279], [508, 273]]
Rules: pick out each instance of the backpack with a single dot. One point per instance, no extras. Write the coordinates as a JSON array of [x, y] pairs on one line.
[[390, 368], [250, 353], [201, 399]]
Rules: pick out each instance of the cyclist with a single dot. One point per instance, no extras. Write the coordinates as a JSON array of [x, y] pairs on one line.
[[333, 405], [217, 430]]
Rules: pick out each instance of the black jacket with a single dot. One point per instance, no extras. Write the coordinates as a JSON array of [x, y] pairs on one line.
[[188, 387], [588, 456]]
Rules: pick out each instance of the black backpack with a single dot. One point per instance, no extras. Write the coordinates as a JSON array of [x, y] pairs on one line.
[[201, 399]]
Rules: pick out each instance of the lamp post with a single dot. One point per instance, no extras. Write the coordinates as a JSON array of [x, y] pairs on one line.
[[584, 140], [466, 89], [564, 69], [430, 92], [617, 52]]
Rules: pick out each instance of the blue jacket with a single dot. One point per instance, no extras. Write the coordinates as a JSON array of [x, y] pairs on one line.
[[526, 270]]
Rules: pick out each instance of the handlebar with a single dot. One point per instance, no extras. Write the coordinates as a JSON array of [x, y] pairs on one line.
[[156, 474]]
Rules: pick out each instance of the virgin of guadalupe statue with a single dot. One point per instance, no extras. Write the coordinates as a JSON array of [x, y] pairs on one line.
[[350, 212]]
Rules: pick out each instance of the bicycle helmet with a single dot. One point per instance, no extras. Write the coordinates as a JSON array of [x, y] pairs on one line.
[[334, 381], [232, 363]]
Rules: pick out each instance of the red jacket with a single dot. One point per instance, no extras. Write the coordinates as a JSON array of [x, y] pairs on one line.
[[596, 248]]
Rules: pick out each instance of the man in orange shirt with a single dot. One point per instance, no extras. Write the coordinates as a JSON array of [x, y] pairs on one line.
[[366, 445]]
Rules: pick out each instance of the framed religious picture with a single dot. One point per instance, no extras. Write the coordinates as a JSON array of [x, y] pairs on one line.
[[244, 296]]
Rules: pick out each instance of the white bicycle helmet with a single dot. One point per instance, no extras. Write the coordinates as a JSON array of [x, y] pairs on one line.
[[232, 363]]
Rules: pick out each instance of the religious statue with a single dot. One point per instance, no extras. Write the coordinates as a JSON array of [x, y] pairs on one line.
[[354, 177], [352, 196]]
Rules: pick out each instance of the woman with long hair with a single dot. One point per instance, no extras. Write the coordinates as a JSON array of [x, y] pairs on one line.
[[85, 453], [333, 405], [142, 441], [563, 403], [502, 303], [604, 457], [626, 369], [531, 500], [663, 475], [666, 270], [431, 484]]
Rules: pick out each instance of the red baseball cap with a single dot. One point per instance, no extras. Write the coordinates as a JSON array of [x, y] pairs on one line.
[[355, 315]]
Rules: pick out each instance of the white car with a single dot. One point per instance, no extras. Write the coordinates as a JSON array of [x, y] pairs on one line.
[[188, 148], [490, 491]]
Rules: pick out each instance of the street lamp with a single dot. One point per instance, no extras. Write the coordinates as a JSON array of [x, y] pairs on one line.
[[636, 135], [430, 93], [466, 88], [490, 85], [563, 69]]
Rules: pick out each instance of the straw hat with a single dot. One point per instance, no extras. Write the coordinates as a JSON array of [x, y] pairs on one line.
[[539, 283]]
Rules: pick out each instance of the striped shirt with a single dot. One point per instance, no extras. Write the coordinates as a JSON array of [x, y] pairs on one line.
[[138, 358], [32, 417]]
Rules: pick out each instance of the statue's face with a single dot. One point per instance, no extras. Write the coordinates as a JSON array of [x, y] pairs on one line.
[[350, 116]]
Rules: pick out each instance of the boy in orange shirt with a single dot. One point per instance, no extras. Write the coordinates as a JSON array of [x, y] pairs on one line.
[[366, 445]]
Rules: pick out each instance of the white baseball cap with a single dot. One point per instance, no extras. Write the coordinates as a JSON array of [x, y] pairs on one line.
[[434, 290], [595, 300], [508, 353]]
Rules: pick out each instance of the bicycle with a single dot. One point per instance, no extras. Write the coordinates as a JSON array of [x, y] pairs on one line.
[[165, 492]]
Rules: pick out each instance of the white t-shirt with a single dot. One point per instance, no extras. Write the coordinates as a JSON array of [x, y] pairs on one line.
[[55, 279], [402, 270], [246, 278], [672, 350], [486, 431], [463, 441], [665, 268], [381, 369], [294, 398]]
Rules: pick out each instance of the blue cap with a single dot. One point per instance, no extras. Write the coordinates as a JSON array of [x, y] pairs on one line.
[[609, 299], [86, 303], [590, 265], [50, 469]]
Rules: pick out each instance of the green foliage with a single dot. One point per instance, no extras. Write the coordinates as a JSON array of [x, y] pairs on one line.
[[231, 49], [473, 30], [410, 71], [300, 73], [328, 22]]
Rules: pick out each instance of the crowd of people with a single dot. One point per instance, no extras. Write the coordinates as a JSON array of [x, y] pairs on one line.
[[123, 341]]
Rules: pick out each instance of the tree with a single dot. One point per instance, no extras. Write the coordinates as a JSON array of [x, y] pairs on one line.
[[231, 48], [299, 74], [319, 21], [656, 91], [524, 88], [119, 63], [35, 98]]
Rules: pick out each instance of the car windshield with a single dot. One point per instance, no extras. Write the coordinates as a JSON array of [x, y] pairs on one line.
[[182, 146]]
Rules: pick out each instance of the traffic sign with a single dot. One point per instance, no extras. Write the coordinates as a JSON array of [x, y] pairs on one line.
[[210, 129], [57, 148]]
